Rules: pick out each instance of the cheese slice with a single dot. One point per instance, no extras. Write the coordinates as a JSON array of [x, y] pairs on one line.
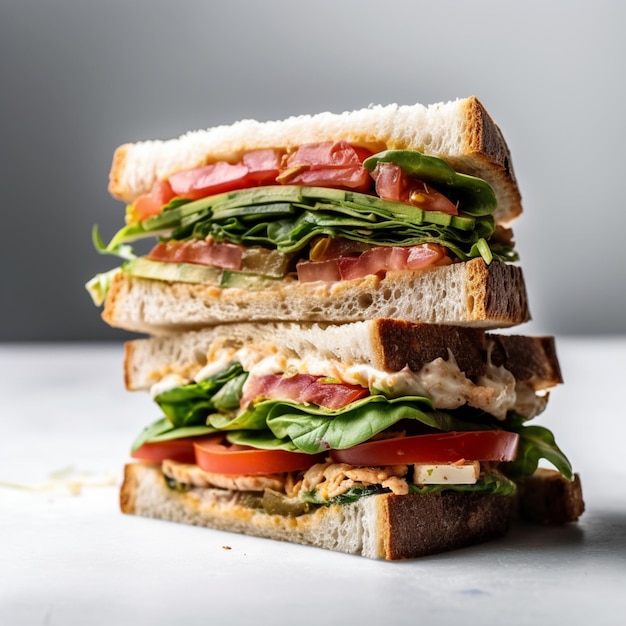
[[447, 473]]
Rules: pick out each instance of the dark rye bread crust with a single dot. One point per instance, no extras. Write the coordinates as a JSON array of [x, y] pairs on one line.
[[384, 526], [527, 358]]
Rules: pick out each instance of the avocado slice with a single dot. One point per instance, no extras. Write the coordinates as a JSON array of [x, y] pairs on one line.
[[143, 267]]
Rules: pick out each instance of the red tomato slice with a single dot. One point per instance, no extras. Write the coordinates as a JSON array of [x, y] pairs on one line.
[[377, 260], [328, 164], [302, 388], [180, 450], [208, 180], [393, 184], [477, 445], [328, 154], [425, 255], [214, 454], [152, 203], [391, 181], [199, 251], [356, 178], [263, 165]]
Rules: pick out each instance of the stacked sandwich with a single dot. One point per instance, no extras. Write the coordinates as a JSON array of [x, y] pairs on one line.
[[321, 294]]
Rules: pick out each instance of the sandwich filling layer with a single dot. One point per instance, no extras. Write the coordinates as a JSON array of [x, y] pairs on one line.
[[496, 391], [320, 212], [318, 430]]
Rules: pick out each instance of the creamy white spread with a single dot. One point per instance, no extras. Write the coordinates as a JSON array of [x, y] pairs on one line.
[[441, 380]]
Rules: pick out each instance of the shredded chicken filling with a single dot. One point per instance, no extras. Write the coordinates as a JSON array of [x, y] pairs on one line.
[[329, 480]]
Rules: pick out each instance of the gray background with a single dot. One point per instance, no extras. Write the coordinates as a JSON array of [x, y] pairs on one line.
[[79, 78]]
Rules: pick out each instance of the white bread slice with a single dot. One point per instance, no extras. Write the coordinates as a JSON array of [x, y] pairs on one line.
[[464, 294], [385, 526], [461, 132], [381, 344]]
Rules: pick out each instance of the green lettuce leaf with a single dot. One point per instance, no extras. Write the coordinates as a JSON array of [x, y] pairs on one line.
[[163, 430], [536, 443], [287, 217], [212, 405], [314, 429], [191, 404]]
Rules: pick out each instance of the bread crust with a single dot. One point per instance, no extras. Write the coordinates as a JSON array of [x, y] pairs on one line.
[[383, 526], [529, 359], [547, 497], [466, 294], [461, 132]]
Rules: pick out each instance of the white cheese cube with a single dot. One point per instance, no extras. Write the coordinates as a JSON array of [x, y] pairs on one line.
[[449, 473]]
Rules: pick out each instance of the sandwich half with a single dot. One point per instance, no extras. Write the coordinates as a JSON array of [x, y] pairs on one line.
[[383, 438], [392, 211]]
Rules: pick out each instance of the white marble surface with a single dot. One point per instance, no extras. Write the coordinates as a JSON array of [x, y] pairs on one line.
[[74, 559]]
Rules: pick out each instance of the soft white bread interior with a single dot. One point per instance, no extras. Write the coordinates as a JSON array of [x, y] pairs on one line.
[[461, 132], [384, 526], [465, 294], [382, 344]]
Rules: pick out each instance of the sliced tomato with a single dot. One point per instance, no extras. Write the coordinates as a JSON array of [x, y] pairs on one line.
[[339, 177], [393, 184], [327, 164], [263, 165], [328, 154], [478, 445], [214, 454], [151, 203], [378, 260], [180, 450], [302, 388], [208, 180], [425, 255], [199, 251]]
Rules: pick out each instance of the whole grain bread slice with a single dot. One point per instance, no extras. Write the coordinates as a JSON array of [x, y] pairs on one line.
[[465, 294], [383, 526]]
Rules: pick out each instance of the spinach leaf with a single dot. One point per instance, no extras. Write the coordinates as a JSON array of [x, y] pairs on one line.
[[535, 443], [190, 405], [473, 195], [163, 430], [286, 218]]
